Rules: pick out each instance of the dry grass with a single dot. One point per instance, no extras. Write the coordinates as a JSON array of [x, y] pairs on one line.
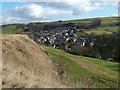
[[26, 65]]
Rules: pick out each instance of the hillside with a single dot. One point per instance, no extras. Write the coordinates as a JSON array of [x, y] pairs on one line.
[[85, 72], [26, 65], [108, 25]]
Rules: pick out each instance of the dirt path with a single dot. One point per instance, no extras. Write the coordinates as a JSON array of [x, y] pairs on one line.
[[26, 65]]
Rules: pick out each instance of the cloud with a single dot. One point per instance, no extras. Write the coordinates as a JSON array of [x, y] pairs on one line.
[[33, 12], [114, 15], [74, 4], [49, 11], [96, 1]]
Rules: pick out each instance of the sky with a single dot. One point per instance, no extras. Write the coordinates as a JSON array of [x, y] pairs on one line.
[[25, 11]]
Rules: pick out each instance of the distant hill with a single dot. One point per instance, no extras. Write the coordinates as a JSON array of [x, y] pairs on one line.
[[107, 25]]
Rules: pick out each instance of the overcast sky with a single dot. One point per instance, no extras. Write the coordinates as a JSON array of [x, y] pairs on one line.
[[25, 12]]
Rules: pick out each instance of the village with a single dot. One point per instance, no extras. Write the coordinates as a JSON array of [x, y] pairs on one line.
[[58, 36]]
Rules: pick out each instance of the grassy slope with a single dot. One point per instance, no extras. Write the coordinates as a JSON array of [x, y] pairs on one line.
[[101, 30], [105, 21], [85, 72], [10, 29]]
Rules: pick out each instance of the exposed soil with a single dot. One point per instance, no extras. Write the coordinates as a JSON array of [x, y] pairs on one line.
[[26, 65]]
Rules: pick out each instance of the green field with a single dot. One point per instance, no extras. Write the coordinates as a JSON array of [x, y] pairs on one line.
[[101, 30], [10, 29], [84, 72], [104, 20]]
